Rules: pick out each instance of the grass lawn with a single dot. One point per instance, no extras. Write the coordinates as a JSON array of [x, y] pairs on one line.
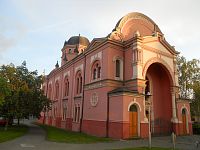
[[60, 135], [145, 148], [12, 132]]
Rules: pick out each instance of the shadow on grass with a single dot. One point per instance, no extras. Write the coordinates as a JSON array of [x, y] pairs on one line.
[[145, 148], [60, 135], [12, 132]]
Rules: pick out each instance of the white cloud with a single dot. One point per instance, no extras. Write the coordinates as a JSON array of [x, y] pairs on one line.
[[60, 19]]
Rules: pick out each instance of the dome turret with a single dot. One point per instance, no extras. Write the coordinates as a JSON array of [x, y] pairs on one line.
[[78, 40]]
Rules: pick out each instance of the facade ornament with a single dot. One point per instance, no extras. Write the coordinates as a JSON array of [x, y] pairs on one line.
[[94, 99]]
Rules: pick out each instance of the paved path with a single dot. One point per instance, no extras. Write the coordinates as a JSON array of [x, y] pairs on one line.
[[35, 140]]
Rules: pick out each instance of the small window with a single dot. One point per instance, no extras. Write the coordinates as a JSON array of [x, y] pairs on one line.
[[80, 85], [70, 50], [66, 87], [77, 112], [99, 72], [184, 111], [77, 86], [64, 110], [94, 73], [117, 68], [96, 70], [57, 90], [133, 108]]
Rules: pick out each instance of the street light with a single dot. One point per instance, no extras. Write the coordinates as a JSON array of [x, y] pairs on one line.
[[149, 104]]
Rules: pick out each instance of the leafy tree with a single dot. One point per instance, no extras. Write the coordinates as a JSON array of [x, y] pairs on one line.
[[189, 82], [195, 105], [4, 90], [26, 97]]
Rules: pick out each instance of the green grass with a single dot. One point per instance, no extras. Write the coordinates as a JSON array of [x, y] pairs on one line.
[[145, 148], [61, 135], [12, 132]]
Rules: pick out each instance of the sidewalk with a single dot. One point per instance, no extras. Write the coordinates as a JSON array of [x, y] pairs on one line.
[[35, 140]]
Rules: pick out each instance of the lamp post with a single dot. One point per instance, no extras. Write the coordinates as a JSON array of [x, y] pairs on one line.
[[149, 105]]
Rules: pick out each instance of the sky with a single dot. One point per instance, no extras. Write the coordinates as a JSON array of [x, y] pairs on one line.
[[35, 30]]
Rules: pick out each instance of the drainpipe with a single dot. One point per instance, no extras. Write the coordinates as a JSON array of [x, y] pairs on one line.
[[81, 121], [123, 67], [107, 121]]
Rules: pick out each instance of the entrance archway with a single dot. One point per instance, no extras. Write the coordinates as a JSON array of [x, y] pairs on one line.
[[158, 83], [184, 120], [133, 119]]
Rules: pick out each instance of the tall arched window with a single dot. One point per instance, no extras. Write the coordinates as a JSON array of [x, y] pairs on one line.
[[96, 70], [117, 74], [57, 90], [64, 110], [50, 90], [99, 72], [80, 90], [77, 113], [66, 87], [79, 83], [94, 73]]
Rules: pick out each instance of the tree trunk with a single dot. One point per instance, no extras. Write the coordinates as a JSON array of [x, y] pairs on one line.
[[18, 121], [6, 126], [44, 118]]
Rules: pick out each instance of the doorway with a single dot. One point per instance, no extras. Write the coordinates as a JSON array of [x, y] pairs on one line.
[[133, 117], [184, 120]]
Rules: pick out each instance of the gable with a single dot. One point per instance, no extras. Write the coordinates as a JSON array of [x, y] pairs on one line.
[[157, 46]]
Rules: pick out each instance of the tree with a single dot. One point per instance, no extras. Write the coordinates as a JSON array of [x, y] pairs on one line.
[[26, 97], [189, 82], [4, 90], [195, 105]]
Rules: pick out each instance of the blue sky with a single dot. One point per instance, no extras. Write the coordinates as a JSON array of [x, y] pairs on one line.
[[35, 30]]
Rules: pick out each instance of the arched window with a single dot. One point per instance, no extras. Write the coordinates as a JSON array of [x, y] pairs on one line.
[[94, 73], [64, 110], [66, 87], [96, 70], [117, 74], [77, 86], [99, 72], [133, 108], [79, 83], [80, 90], [57, 90], [77, 113], [50, 90], [184, 111]]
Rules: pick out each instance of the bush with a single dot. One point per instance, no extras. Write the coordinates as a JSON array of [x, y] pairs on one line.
[[196, 128]]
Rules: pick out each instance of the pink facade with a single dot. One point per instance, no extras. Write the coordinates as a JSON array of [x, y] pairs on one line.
[[113, 86]]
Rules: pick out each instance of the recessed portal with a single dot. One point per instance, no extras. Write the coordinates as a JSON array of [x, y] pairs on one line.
[[158, 83]]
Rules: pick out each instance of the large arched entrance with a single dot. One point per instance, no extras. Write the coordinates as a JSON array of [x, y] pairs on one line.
[[133, 118], [158, 83]]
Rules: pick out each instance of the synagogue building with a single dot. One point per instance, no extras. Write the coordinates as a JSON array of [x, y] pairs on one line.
[[119, 85]]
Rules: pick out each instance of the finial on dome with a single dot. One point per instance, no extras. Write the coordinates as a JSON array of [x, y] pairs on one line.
[[57, 65], [137, 33]]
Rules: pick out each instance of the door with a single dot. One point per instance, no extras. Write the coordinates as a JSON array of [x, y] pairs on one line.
[[184, 120], [133, 118]]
